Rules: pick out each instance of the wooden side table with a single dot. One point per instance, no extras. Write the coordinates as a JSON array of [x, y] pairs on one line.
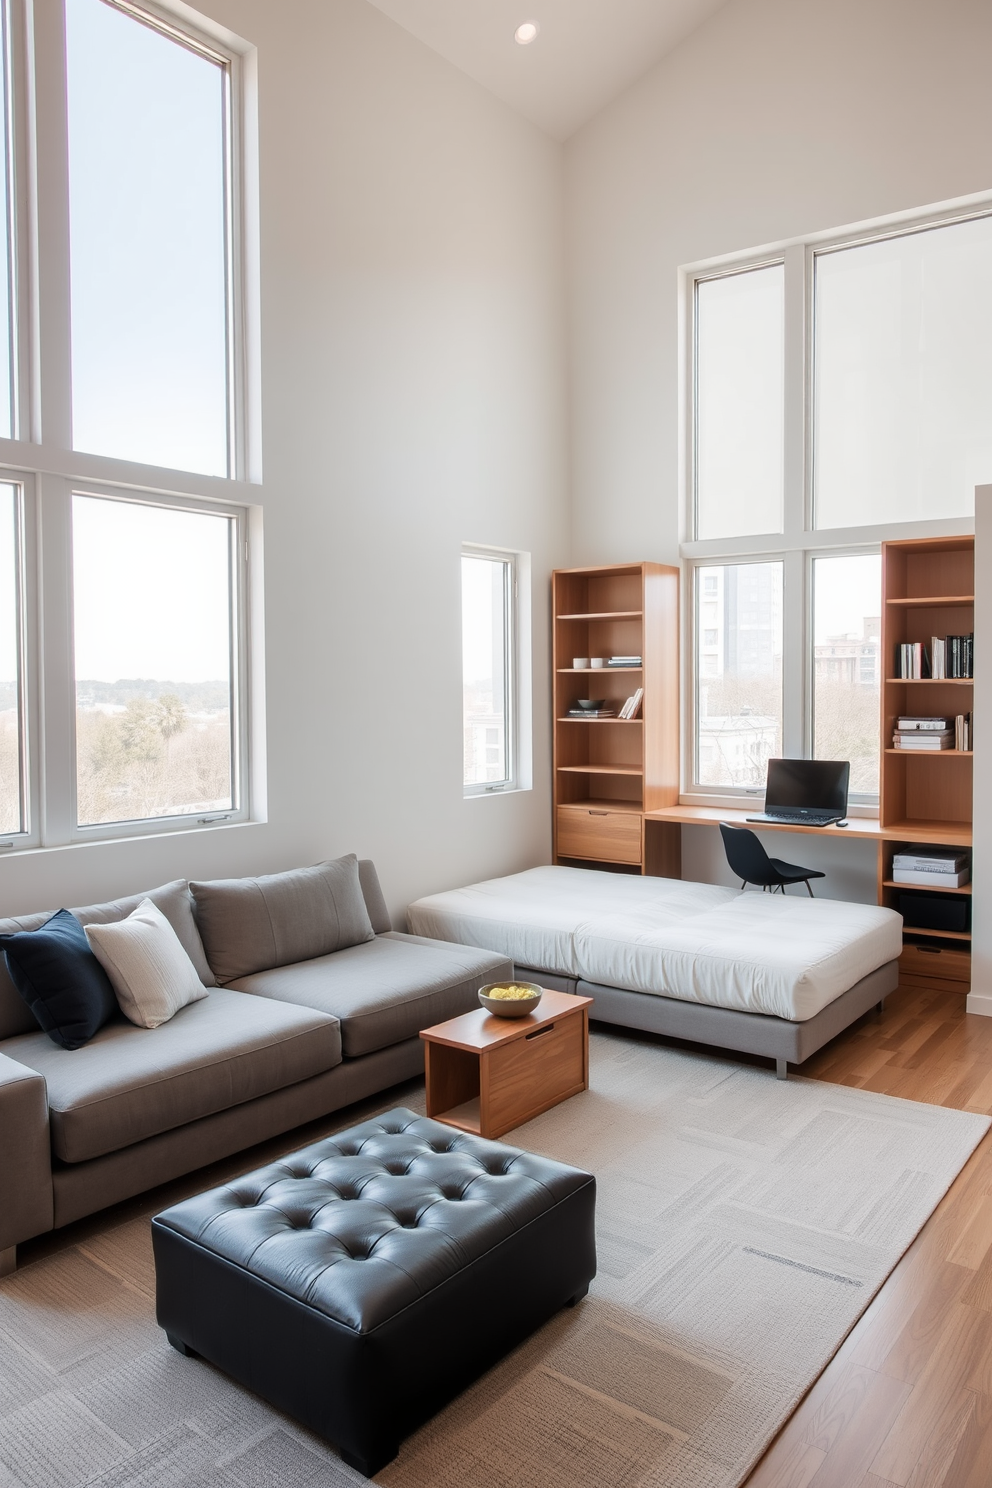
[[486, 1075]]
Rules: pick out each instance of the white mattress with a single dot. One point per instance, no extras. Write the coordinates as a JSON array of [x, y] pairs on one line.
[[754, 952]]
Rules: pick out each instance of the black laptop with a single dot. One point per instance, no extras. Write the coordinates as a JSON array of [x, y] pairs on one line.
[[802, 792]]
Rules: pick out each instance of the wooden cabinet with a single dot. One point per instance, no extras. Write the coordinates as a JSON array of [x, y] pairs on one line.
[[609, 771], [599, 832], [928, 589]]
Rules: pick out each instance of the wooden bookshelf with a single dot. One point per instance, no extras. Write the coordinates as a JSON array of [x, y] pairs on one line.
[[928, 588], [609, 771]]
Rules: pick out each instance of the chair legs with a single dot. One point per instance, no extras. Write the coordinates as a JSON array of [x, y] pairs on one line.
[[808, 889]]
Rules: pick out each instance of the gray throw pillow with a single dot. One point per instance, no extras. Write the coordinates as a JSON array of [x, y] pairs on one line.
[[254, 924]]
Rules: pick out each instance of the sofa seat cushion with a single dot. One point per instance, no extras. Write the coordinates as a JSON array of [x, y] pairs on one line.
[[385, 990], [130, 1083]]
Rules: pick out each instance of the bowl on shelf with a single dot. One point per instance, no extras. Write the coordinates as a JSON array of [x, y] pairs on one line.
[[522, 998], [589, 705]]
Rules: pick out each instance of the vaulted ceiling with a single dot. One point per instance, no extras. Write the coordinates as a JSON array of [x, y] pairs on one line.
[[585, 52]]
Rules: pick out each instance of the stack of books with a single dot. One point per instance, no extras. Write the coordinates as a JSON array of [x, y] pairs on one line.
[[923, 733], [931, 868], [962, 732], [632, 706], [949, 657], [952, 656], [624, 661], [606, 712]]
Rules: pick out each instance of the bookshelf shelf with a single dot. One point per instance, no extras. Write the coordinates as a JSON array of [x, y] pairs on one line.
[[930, 753], [925, 806], [599, 720], [599, 770], [890, 883], [937, 934], [605, 615], [933, 601]]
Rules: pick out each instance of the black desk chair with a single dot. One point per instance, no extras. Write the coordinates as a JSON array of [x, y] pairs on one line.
[[752, 865]]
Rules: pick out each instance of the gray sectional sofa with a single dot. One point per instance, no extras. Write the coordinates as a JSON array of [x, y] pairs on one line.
[[262, 1053]]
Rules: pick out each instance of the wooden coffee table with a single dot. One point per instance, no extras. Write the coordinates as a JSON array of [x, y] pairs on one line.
[[486, 1075]]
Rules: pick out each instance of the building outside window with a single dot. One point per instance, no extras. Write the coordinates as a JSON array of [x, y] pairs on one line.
[[489, 670], [839, 396], [137, 302]]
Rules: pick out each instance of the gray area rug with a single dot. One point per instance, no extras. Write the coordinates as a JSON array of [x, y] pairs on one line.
[[744, 1224]]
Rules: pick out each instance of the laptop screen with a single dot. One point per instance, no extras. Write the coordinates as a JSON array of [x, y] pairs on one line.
[[807, 785]]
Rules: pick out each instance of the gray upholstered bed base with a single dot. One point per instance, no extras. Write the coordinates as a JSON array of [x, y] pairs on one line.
[[749, 1033]]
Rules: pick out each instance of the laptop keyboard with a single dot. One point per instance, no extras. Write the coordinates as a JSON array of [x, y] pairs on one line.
[[797, 819]]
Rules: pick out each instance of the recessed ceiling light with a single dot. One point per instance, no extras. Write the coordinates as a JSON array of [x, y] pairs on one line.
[[525, 34]]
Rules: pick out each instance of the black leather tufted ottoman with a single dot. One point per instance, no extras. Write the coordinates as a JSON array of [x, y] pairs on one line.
[[361, 1283]]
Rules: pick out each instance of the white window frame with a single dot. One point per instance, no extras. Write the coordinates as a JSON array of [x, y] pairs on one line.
[[799, 542], [40, 457], [511, 664]]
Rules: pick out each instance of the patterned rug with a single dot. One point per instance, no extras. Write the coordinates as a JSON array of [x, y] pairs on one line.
[[744, 1224]]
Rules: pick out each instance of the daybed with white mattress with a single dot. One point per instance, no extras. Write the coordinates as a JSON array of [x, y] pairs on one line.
[[761, 973]]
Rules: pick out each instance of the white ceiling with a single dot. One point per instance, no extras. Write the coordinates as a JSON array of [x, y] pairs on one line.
[[587, 51]]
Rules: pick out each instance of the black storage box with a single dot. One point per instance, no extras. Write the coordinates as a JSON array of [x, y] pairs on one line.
[[933, 912]]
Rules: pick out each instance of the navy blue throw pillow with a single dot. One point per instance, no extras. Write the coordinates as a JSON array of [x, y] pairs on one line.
[[60, 979]]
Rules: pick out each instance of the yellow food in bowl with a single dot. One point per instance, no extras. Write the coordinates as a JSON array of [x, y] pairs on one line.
[[510, 993]]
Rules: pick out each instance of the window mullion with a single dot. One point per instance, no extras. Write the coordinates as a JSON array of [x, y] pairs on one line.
[[794, 419], [51, 416], [794, 648], [58, 772]]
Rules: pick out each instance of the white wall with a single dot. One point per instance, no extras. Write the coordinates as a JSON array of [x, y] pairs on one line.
[[412, 394], [775, 119]]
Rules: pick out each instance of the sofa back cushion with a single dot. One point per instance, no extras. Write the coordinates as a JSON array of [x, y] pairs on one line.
[[172, 899], [253, 924]]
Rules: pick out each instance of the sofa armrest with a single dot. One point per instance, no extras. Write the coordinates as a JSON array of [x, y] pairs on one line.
[[372, 894], [26, 1203]]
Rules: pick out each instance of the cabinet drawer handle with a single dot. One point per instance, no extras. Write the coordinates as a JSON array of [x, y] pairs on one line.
[[599, 813], [538, 1031]]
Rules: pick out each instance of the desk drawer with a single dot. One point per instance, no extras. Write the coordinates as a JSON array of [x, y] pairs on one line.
[[595, 832], [951, 965]]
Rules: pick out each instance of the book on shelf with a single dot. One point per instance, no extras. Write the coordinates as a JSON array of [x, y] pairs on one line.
[[922, 879], [625, 661], [923, 742], [951, 658], [935, 868], [912, 663], [937, 725], [592, 712], [935, 859], [631, 707], [962, 732]]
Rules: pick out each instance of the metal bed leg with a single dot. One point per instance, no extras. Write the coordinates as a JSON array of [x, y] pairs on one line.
[[781, 1069]]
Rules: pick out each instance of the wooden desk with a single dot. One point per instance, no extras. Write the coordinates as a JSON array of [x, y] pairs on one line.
[[945, 834]]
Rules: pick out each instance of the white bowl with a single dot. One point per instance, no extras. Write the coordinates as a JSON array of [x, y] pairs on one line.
[[510, 1007]]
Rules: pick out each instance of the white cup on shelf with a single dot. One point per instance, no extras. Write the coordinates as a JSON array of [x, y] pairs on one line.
[[597, 662], [580, 663]]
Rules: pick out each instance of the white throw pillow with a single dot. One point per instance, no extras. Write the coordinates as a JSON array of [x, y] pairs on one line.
[[148, 968]]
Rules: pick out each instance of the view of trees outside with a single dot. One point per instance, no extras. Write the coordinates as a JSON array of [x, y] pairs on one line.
[[10, 720], [147, 748], [153, 640], [847, 594]]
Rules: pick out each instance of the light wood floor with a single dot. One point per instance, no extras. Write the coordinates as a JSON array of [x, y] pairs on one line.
[[907, 1400]]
